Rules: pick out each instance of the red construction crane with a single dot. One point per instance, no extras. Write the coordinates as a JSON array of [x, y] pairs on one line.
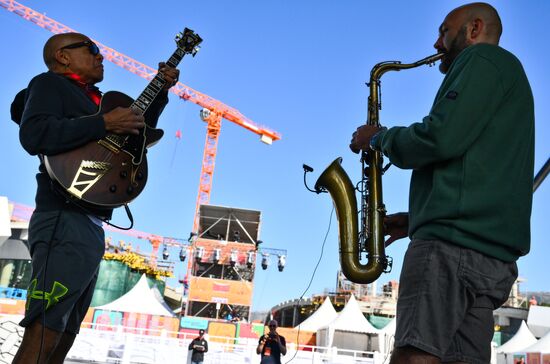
[[212, 113]]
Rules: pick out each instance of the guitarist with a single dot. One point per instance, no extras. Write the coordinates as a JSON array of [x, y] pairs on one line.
[[57, 113]]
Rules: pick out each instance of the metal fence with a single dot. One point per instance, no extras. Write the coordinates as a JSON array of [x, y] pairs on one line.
[[124, 347]]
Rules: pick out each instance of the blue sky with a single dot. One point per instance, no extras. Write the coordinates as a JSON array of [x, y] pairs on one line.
[[297, 67]]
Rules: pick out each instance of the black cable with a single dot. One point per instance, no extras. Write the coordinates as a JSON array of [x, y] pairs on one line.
[[44, 286], [311, 280]]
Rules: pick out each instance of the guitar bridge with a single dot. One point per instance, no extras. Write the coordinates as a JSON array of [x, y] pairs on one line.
[[87, 175]]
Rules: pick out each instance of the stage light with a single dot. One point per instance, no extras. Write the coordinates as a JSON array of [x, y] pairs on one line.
[[165, 253], [183, 255], [281, 263], [233, 258], [192, 237], [265, 261], [250, 259], [199, 253], [236, 236], [217, 255]]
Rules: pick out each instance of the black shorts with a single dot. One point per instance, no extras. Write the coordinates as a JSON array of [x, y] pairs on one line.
[[66, 249], [447, 295]]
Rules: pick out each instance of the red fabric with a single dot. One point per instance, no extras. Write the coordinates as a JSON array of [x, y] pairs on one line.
[[93, 92]]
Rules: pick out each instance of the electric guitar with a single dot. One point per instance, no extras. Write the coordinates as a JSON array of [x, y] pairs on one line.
[[112, 171]]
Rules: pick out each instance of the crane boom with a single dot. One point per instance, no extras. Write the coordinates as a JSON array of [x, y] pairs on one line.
[[142, 70]]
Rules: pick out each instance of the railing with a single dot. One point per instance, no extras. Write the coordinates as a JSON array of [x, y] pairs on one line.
[[121, 345]]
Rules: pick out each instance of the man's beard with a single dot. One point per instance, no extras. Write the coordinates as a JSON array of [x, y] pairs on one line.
[[457, 45]]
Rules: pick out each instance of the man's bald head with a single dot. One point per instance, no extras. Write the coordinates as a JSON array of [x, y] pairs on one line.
[[55, 43], [492, 25]]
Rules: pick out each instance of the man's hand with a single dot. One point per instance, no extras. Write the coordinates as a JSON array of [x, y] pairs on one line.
[[396, 226], [170, 74], [124, 120], [361, 138]]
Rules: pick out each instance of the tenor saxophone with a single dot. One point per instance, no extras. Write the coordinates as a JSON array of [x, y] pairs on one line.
[[370, 239]]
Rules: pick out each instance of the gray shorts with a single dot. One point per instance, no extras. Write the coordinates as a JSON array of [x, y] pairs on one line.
[[66, 249], [447, 295]]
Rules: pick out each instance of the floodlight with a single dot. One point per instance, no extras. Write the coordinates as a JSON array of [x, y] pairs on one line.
[[217, 255], [199, 253], [281, 263], [250, 259], [265, 260], [233, 258], [183, 255]]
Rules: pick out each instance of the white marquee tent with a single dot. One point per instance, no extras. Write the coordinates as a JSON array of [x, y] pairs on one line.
[[539, 320], [521, 340], [324, 315], [140, 299], [350, 330], [541, 347]]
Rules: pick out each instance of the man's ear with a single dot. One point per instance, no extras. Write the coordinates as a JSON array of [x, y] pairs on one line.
[[62, 58], [476, 30]]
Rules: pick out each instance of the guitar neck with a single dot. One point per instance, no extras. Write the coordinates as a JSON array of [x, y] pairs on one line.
[[153, 89]]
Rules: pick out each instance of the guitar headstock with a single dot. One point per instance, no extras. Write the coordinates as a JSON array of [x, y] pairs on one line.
[[188, 41]]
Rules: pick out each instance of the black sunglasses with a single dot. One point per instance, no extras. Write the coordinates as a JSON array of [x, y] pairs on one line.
[[92, 47]]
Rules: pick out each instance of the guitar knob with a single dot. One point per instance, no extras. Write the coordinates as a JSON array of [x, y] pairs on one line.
[[123, 174], [139, 176], [112, 188], [130, 190]]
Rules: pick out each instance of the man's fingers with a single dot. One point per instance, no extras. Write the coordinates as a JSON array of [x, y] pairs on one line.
[[354, 148]]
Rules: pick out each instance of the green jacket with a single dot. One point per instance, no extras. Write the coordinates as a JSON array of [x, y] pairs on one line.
[[472, 157]]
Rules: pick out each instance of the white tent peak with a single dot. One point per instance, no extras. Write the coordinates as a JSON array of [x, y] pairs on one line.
[[522, 339], [140, 299], [352, 319], [321, 317], [541, 346]]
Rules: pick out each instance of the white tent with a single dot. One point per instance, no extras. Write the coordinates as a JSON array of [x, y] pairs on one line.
[[324, 315], [539, 320], [521, 340], [350, 330], [540, 347], [140, 299]]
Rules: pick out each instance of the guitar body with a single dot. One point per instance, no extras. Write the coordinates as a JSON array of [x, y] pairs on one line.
[[109, 172]]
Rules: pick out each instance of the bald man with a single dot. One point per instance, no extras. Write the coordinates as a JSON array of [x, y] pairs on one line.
[[58, 112], [470, 194]]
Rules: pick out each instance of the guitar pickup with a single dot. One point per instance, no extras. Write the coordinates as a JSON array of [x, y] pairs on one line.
[[105, 143]]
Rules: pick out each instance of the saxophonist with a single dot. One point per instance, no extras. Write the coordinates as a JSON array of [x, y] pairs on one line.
[[472, 161]]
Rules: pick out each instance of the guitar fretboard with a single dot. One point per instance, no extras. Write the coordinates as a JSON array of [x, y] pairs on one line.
[[149, 95], [154, 87]]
